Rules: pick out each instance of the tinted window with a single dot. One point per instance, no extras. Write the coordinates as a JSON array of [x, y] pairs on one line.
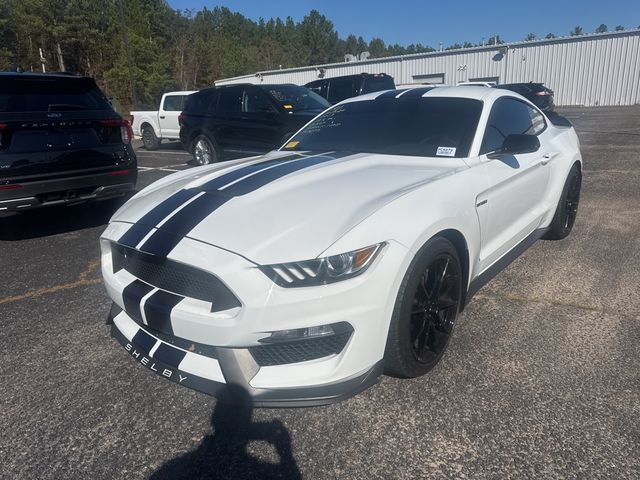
[[508, 117], [174, 103], [295, 98], [50, 94], [413, 126], [341, 88], [256, 101], [538, 123], [202, 102], [375, 83], [230, 100], [319, 87]]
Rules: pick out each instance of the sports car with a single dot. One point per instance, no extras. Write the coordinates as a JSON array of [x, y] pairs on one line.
[[304, 274]]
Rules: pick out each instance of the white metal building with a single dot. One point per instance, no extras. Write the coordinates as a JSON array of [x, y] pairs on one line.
[[595, 69]]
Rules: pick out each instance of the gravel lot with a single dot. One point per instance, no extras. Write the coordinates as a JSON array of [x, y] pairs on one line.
[[541, 380]]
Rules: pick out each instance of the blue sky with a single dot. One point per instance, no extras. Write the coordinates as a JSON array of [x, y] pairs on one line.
[[443, 21]]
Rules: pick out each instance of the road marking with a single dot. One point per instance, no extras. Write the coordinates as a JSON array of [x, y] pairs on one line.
[[82, 281]]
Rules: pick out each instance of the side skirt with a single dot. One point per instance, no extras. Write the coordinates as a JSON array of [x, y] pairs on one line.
[[503, 262]]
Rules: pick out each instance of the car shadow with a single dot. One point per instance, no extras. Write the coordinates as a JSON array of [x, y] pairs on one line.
[[223, 454], [47, 221]]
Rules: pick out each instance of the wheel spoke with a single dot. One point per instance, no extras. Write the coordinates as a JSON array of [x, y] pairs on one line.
[[434, 309]]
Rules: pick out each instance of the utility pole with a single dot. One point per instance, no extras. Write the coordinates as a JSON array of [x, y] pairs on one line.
[[127, 52]]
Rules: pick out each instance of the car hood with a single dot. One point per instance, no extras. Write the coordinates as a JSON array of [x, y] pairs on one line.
[[280, 207]]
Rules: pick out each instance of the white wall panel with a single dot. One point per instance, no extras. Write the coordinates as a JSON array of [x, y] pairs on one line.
[[598, 69]]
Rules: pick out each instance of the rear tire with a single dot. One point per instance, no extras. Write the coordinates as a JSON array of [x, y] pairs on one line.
[[149, 138], [426, 309], [204, 151], [567, 209]]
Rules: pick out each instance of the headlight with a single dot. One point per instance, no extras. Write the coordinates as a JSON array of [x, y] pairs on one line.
[[321, 271]]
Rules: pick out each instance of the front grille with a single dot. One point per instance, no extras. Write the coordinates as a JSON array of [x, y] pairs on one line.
[[300, 351], [174, 277]]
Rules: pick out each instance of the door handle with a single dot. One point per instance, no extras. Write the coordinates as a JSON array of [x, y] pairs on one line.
[[161, 117], [547, 157]]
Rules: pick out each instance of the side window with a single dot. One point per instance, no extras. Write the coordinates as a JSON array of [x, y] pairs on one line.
[[202, 102], [538, 124], [319, 87], [173, 103], [508, 116], [230, 101], [340, 88], [255, 101]]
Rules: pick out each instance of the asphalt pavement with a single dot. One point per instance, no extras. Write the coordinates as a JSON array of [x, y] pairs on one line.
[[541, 379]]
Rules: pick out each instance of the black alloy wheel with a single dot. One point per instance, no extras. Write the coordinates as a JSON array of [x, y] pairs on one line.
[[427, 306], [567, 209], [436, 302], [571, 202]]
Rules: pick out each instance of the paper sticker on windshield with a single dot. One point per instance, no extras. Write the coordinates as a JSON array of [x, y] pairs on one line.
[[291, 144], [446, 152]]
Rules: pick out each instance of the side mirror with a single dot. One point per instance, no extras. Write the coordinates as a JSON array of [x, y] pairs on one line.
[[517, 143]]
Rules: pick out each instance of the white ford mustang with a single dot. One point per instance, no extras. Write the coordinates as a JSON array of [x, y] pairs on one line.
[[304, 274]]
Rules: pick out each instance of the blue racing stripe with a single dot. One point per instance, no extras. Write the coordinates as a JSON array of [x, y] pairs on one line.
[[261, 179], [143, 340], [175, 229], [144, 225], [417, 92], [157, 310], [169, 355], [392, 93], [132, 295], [227, 178]]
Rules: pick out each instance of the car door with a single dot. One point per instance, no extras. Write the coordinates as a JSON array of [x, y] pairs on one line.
[[512, 206], [262, 126], [226, 119], [171, 107]]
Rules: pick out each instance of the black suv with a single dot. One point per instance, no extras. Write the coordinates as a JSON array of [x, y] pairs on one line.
[[60, 142], [536, 93], [337, 89], [246, 118]]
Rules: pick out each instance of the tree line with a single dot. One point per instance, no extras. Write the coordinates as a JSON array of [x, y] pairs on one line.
[[138, 49]]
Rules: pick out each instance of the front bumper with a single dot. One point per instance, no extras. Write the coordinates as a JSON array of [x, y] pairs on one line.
[[166, 304], [213, 375]]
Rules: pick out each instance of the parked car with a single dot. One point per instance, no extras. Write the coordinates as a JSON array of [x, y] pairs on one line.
[[337, 89], [162, 124], [249, 118], [303, 274], [60, 142], [536, 93]]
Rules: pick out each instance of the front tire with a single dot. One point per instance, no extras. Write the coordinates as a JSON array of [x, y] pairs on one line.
[[567, 209], [426, 309], [204, 151], [149, 138]]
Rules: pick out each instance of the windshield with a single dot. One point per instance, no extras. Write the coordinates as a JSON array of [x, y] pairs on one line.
[[427, 127], [294, 98], [50, 94]]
